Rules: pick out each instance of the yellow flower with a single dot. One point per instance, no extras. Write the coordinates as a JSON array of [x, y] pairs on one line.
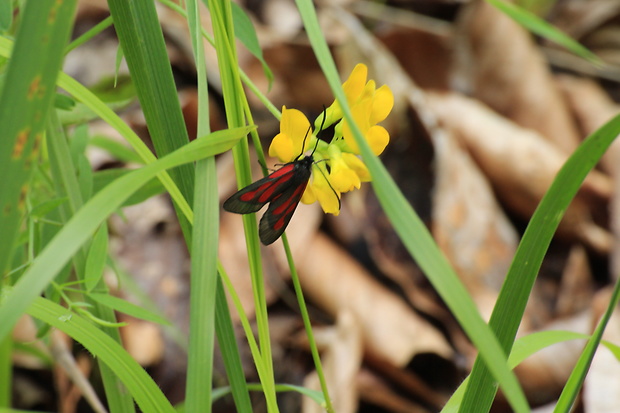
[[376, 136], [320, 189], [353, 88], [337, 168], [294, 136], [347, 172]]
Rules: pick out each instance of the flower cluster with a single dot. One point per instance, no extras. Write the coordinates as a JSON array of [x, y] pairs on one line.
[[337, 167]]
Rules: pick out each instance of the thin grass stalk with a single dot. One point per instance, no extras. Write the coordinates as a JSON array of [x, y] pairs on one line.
[[233, 101], [204, 261]]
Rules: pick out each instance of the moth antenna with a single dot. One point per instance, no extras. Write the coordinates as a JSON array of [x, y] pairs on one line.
[[320, 130], [303, 144]]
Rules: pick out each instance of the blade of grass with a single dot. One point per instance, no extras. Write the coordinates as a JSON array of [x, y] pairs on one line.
[[27, 96], [230, 353], [142, 41], [204, 249], [234, 101], [526, 263], [414, 234]]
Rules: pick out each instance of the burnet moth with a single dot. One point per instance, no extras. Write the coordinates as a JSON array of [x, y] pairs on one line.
[[282, 189]]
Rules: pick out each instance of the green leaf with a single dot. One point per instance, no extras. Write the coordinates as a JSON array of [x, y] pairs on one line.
[[532, 343], [63, 102], [244, 31], [614, 348], [117, 149], [96, 258], [46, 207], [151, 188], [25, 102], [6, 14], [125, 307]]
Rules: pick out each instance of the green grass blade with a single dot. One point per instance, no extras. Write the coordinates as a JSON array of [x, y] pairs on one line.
[[234, 101], [520, 279], [96, 259], [27, 96], [230, 353], [81, 226], [142, 41], [204, 248], [143, 389], [244, 30], [414, 234], [125, 307]]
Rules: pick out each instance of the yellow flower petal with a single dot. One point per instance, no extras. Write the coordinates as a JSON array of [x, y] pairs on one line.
[[324, 192], [360, 113], [342, 177], [282, 147], [357, 165], [377, 138], [382, 104], [294, 136], [308, 197], [353, 88], [354, 85]]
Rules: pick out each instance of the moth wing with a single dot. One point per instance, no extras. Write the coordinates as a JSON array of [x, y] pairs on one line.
[[254, 196], [280, 211]]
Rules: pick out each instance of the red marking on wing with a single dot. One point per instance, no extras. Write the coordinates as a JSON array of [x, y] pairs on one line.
[[283, 171], [283, 219], [287, 208], [294, 199], [250, 195]]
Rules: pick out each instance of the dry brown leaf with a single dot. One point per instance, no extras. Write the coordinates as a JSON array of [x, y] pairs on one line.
[[71, 375], [579, 17], [592, 107], [335, 282], [468, 223], [342, 353], [498, 61], [25, 331], [143, 340], [406, 381], [375, 391], [520, 164], [577, 289]]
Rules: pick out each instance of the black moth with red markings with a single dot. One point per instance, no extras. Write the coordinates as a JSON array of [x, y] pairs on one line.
[[283, 189]]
